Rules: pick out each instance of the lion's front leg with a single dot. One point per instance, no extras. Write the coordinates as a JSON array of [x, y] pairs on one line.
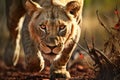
[[33, 58], [59, 71], [58, 67], [34, 63]]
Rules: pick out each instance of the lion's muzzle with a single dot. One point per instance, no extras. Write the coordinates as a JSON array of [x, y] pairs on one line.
[[51, 50]]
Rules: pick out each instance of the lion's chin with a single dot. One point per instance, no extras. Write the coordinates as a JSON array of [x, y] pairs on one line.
[[50, 57]]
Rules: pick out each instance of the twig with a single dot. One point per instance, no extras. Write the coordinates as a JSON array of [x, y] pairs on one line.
[[102, 22], [79, 46], [88, 52], [86, 43], [104, 57], [93, 44]]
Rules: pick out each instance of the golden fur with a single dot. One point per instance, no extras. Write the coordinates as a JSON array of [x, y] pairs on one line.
[[47, 32]]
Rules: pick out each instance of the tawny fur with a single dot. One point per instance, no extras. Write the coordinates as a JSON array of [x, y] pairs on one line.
[[61, 19]]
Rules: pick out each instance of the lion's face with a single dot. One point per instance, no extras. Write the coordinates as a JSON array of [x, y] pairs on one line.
[[51, 27]]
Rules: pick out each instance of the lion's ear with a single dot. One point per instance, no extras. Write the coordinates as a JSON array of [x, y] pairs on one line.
[[31, 6], [73, 7]]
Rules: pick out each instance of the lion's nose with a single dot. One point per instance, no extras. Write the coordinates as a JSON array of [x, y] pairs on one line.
[[52, 38], [52, 41]]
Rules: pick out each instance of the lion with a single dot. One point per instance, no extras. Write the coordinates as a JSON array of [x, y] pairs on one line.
[[48, 31]]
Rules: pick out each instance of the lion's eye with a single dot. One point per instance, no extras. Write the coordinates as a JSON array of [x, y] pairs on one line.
[[62, 30], [42, 26], [62, 27]]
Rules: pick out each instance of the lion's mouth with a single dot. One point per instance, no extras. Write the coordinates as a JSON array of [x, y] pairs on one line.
[[52, 47], [50, 54], [51, 50]]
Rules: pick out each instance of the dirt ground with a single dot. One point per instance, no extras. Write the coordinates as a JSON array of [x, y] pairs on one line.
[[78, 72]]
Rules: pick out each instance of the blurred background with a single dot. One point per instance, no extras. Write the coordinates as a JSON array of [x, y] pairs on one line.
[[91, 25]]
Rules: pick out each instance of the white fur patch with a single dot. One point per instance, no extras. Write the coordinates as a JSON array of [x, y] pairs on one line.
[[17, 48]]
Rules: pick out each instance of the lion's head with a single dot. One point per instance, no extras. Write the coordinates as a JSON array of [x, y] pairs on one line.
[[52, 25]]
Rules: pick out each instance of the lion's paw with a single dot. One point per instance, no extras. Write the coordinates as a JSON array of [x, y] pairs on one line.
[[59, 74]]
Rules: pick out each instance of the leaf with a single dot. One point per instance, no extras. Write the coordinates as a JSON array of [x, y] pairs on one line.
[[81, 56]]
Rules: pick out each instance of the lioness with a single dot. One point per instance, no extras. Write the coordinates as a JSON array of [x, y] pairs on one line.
[[47, 32]]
